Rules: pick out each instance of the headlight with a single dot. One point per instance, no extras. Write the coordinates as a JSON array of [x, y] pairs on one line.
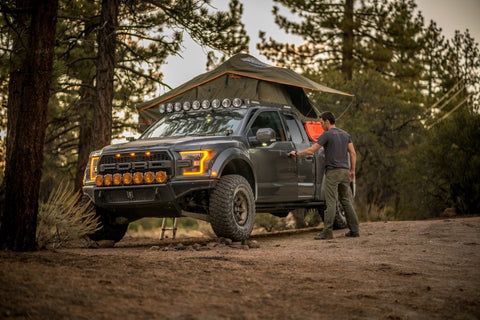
[[199, 161], [91, 169]]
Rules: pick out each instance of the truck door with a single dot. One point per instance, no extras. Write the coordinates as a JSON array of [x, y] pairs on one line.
[[305, 165], [275, 170]]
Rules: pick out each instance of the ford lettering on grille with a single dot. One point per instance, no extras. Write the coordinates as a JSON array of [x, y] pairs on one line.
[[141, 165]]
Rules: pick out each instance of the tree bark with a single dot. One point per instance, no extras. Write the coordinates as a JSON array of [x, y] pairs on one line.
[[85, 111], [348, 37], [102, 115], [29, 92]]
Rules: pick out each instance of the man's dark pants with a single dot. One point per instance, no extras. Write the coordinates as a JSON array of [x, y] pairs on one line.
[[337, 188]]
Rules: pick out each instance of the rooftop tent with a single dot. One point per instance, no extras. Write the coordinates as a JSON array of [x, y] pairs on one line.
[[246, 77]]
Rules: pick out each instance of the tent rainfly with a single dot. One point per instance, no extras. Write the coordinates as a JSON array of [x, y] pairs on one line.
[[245, 77]]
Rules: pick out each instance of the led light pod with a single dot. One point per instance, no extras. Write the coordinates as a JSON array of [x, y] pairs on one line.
[[138, 178], [206, 104], [196, 105], [117, 179], [127, 178], [237, 102], [149, 177], [107, 180], [216, 103], [99, 180], [226, 103], [161, 177]]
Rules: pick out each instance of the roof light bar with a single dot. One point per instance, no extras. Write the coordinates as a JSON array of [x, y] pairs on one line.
[[197, 105]]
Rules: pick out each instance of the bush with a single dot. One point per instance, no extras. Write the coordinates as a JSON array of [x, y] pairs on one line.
[[63, 219]]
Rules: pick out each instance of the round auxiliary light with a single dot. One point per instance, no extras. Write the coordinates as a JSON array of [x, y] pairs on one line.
[[161, 176], [169, 107], [138, 178], [162, 108], [237, 102], [187, 105], [99, 180], [196, 105], [127, 178], [206, 104], [149, 177], [215, 103], [117, 179], [178, 106], [226, 103], [107, 180]]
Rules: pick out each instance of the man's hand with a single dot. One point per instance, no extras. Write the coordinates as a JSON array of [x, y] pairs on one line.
[[293, 153], [352, 175]]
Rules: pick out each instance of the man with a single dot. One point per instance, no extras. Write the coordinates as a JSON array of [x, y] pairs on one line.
[[338, 174]]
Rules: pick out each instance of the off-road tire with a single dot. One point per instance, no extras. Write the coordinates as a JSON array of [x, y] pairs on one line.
[[340, 221], [110, 229], [232, 208]]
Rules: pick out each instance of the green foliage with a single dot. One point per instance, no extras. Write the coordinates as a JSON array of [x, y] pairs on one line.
[[269, 222], [148, 33], [444, 170], [62, 219]]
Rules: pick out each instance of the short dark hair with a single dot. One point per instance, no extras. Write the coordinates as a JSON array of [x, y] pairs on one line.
[[327, 115]]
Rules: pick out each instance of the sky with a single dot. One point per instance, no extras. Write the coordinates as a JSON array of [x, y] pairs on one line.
[[450, 15]]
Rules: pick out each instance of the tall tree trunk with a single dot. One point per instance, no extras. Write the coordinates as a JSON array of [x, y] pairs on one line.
[[347, 44], [102, 115], [29, 92], [85, 111]]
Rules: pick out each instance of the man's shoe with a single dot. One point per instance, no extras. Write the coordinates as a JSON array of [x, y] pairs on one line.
[[323, 237], [352, 234]]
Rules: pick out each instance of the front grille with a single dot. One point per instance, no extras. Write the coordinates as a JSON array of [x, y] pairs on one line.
[[156, 161], [157, 156]]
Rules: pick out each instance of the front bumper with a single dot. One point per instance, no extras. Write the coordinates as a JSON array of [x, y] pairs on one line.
[[137, 201]]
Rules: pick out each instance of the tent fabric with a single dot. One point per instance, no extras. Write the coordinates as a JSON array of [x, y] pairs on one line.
[[245, 77]]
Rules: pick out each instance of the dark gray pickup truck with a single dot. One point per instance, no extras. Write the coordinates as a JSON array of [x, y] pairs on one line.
[[216, 160]]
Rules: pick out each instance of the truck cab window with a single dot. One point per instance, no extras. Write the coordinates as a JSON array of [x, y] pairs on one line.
[[293, 128], [268, 119]]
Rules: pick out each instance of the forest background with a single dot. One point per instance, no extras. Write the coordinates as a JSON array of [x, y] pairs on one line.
[[415, 117]]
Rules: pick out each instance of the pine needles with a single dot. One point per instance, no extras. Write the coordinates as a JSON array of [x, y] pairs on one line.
[[63, 219]]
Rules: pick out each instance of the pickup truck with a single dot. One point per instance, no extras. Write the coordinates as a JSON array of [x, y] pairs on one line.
[[218, 160]]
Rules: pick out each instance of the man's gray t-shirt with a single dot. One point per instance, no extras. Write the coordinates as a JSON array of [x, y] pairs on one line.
[[335, 142]]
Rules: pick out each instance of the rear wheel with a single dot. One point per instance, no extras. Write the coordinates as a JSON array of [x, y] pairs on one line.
[[340, 221], [232, 208]]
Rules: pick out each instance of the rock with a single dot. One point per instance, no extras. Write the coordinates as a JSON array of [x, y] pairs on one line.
[[449, 213], [180, 246], [253, 244], [106, 243], [225, 241], [154, 248]]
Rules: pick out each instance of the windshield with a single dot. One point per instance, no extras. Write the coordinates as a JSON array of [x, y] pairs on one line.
[[201, 123]]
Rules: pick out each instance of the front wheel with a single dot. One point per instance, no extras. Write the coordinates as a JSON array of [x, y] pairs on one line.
[[232, 208], [110, 228]]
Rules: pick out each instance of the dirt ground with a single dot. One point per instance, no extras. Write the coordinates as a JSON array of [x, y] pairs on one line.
[[395, 270]]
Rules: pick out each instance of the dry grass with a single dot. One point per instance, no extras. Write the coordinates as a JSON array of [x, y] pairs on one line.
[[63, 219]]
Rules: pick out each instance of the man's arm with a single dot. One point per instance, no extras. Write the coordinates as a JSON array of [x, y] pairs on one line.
[[353, 160], [306, 152]]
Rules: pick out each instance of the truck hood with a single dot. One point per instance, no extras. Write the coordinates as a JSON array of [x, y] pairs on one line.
[[176, 143]]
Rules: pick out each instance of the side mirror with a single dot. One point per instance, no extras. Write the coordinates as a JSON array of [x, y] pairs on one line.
[[263, 136]]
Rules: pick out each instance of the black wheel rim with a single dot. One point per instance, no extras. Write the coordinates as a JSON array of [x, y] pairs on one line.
[[240, 208]]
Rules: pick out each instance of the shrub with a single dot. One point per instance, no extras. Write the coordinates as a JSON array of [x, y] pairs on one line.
[[63, 219]]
